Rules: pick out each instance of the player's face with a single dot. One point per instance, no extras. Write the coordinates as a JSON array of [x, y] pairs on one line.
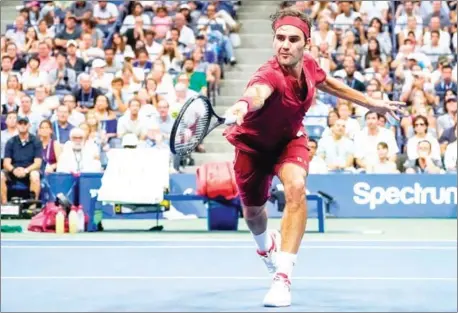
[[289, 44]]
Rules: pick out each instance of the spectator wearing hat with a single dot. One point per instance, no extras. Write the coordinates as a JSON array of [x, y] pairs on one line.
[[100, 78], [22, 160], [74, 62], [70, 32], [62, 78]]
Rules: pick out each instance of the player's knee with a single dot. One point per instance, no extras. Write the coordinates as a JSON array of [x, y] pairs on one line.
[[295, 190], [34, 176], [252, 212]]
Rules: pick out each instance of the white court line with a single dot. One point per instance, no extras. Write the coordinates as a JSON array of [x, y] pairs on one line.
[[212, 240], [310, 278], [324, 247]]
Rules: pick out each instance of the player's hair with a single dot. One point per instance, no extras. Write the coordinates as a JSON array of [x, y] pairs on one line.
[[290, 11], [383, 145]]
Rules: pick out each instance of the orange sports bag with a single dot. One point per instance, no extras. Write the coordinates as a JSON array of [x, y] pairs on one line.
[[216, 180]]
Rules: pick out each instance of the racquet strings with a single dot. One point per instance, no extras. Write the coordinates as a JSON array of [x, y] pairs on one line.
[[192, 127]]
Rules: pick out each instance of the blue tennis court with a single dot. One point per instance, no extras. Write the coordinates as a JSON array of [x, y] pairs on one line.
[[224, 275]]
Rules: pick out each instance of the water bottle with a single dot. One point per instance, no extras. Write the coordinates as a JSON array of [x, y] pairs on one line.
[[81, 221], [60, 222], [72, 221]]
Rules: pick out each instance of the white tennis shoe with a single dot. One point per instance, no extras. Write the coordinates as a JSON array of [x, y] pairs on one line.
[[268, 257], [279, 294]]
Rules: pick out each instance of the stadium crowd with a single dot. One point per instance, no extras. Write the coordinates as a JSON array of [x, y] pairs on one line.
[[83, 77]]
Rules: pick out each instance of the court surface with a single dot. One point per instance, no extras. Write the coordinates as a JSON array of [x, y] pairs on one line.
[[197, 272]]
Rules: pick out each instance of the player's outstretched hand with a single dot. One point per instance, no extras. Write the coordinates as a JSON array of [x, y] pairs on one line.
[[385, 107], [239, 110]]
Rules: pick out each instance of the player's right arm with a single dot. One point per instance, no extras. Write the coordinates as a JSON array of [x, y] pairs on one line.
[[253, 99]]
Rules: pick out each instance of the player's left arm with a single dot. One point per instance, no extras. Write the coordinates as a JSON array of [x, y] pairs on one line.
[[341, 90]]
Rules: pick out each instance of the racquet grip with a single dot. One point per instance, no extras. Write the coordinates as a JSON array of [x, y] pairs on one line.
[[231, 119]]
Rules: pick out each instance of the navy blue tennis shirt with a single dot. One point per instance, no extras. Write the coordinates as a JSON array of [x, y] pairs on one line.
[[22, 154]]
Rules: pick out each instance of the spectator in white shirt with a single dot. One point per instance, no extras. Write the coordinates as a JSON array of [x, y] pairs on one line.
[[101, 79], [383, 165], [344, 108], [337, 150], [368, 138], [17, 35], [317, 164], [345, 19], [424, 162], [450, 157], [33, 76], [433, 50], [105, 14], [132, 123], [421, 124], [317, 114], [79, 156], [186, 34]]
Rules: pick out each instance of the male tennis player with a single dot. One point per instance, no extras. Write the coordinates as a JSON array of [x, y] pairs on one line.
[[270, 140]]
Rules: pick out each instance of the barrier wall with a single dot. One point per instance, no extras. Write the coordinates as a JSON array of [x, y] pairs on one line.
[[354, 196]]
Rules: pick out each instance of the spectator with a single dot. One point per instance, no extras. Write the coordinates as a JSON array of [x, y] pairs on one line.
[[34, 76], [197, 80], [70, 32], [85, 94], [18, 62], [450, 157], [7, 70], [164, 120], [25, 110], [129, 21], [424, 162], [78, 155], [105, 14], [10, 104], [132, 123], [112, 64], [448, 136], [154, 48], [324, 34], [187, 36], [162, 22], [345, 19], [337, 150], [344, 109], [47, 62], [435, 25], [445, 83], [135, 33], [62, 127], [100, 78], [420, 134], [22, 160], [448, 119], [383, 165], [12, 83], [10, 131], [143, 61], [118, 96], [317, 165], [17, 35], [74, 62], [74, 117], [317, 113], [81, 10], [50, 148], [171, 56], [62, 78], [368, 138], [89, 27]]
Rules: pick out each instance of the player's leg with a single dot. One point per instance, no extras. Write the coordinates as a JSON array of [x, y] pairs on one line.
[[253, 182], [4, 188], [292, 169], [35, 184]]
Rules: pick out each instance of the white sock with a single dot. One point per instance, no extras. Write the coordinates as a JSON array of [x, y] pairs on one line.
[[285, 263], [264, 241]]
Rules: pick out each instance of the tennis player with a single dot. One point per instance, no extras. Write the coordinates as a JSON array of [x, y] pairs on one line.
[[269, 140]]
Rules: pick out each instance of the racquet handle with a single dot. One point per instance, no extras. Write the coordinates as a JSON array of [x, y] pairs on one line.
[[230, 120]]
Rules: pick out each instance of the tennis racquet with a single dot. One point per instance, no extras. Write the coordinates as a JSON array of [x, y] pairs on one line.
[[194, 122]]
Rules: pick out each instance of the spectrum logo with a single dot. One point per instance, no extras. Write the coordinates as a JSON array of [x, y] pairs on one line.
[[365, 194]]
